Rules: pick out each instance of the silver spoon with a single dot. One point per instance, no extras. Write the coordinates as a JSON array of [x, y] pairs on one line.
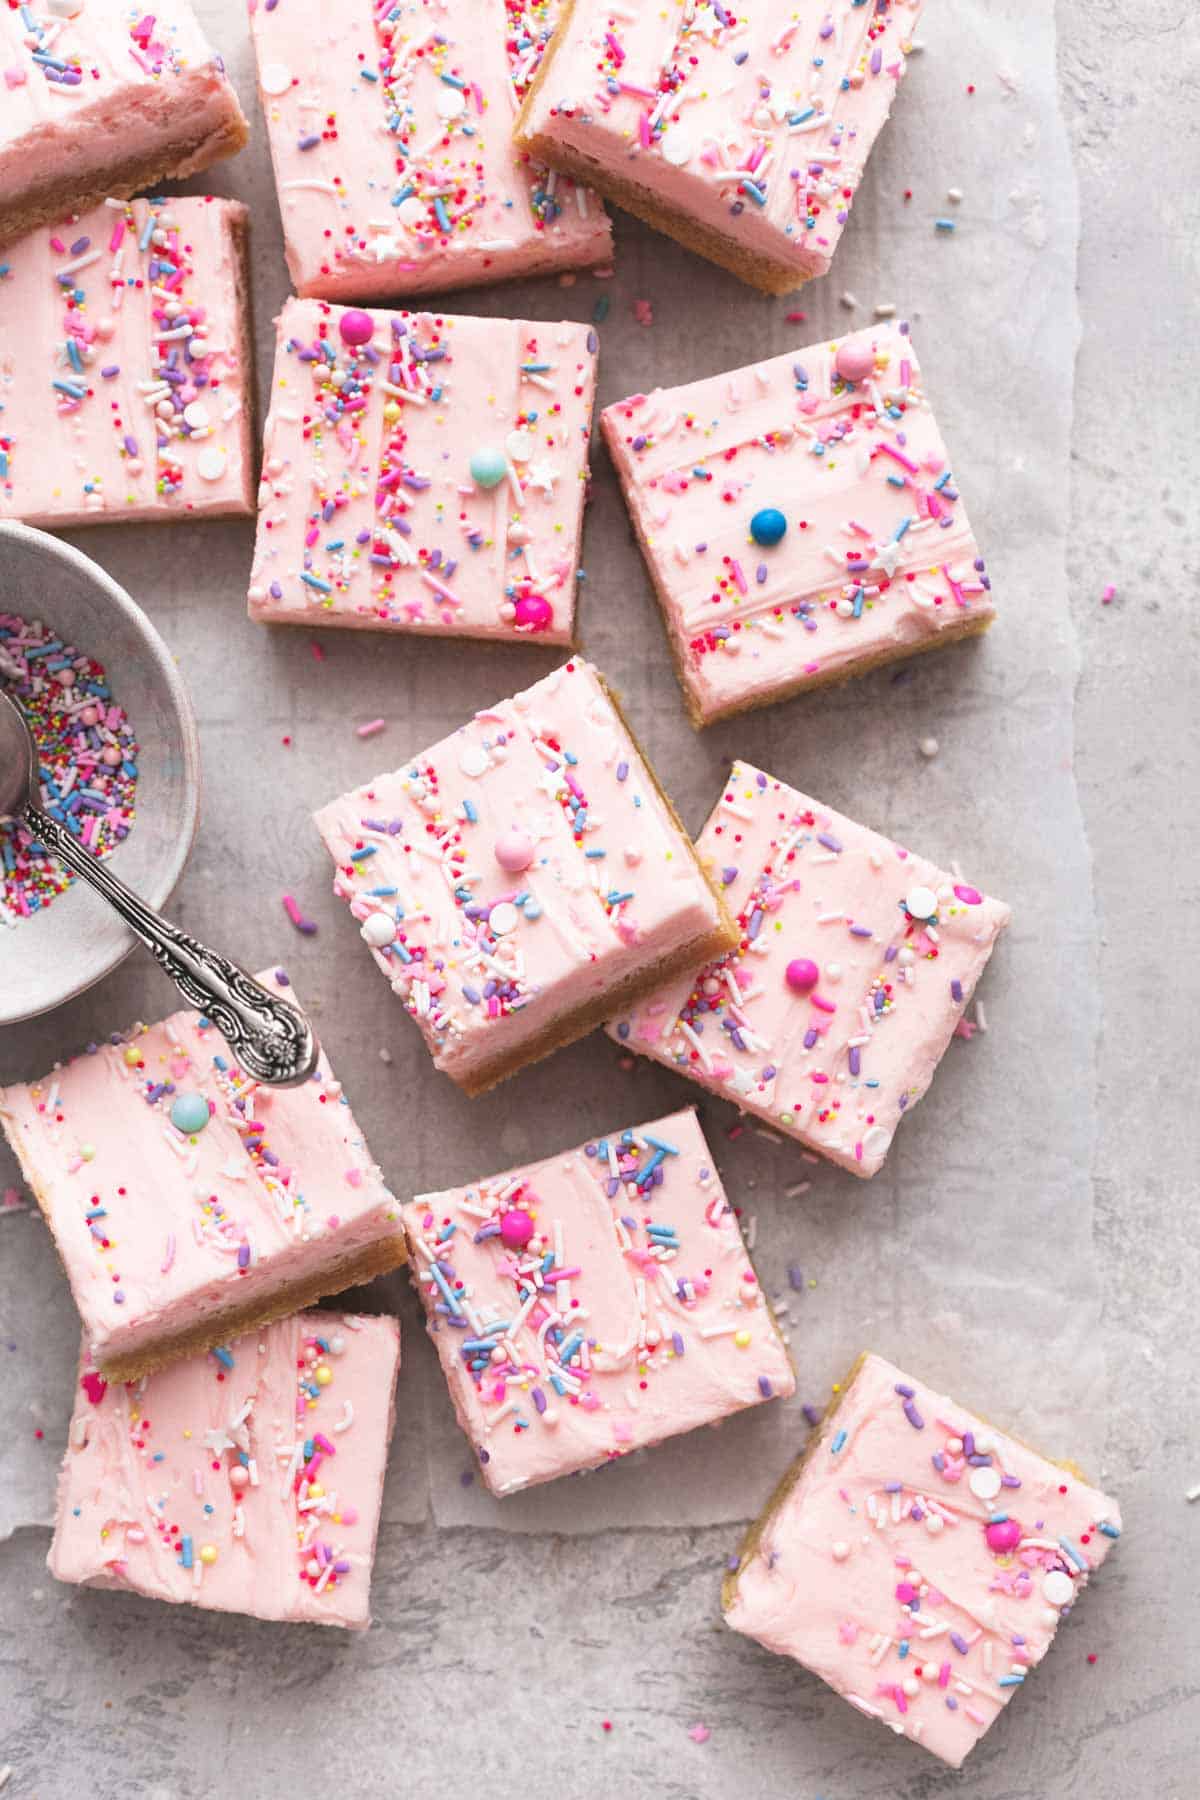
[[271, 1038]]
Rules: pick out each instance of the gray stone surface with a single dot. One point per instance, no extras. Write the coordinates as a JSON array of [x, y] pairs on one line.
[[498, 1653]]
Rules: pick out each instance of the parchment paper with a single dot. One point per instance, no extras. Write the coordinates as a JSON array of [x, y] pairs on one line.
[[970, 1258]]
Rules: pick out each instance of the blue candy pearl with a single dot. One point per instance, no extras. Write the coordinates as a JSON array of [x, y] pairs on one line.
[[189, 1112], [768, 526], [488, 467]]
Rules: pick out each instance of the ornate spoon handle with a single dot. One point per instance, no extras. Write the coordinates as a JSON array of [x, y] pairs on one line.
[[272, 1040]]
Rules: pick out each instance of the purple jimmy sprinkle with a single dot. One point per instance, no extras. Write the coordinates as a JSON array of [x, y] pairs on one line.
[[913, 1416], [764, 1387], [677, 1343], [959, 1642], [812, 1414], [829, 841], [795, 1276]]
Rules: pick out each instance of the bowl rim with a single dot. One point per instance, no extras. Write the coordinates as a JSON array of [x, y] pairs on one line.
[[156, 895]]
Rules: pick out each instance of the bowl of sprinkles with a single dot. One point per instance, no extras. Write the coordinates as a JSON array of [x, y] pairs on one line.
[[118, 764]]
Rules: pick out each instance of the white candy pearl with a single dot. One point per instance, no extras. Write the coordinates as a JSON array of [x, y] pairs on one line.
[[1058, 1588], [378, 931], [984, 1483]]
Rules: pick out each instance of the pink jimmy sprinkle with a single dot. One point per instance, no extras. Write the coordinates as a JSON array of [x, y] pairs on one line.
[[644, 137], [906, 462], [735, 569]]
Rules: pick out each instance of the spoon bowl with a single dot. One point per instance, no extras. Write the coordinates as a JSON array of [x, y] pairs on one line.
[[69, 945], [17, 768]]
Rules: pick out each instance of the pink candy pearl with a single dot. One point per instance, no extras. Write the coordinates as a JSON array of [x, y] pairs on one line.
[[110, 756], [239, 1476], [968, 895], [356, 327], [533, 612], [516, 1228], [514, 851], [854, 362], [1005, 1535], [802, 975]]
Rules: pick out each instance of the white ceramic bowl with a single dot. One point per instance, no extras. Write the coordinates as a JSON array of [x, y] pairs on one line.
[[75, 940]]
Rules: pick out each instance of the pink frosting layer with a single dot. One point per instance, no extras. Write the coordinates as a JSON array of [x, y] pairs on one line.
[[516, 871], [591, 1304], [162, 1227], [922, 1561], [423, 472], [92, 85], [248, 1480], [390, 132], [123, 375], [877, 557], [755, 121], [856, 964]]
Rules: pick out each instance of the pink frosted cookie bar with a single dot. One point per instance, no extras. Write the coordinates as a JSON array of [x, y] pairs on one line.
[[391, 135], [799, 520], [248, 1479], [97, 98], [855, 961], [423, 472], [187, 1202], [918, 1560], [513, 879], [742, 132], [126, 372], [594, 1303]]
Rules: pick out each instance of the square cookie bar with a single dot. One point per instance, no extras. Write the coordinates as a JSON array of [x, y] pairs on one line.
[[424, 473], [187, 1202], [799, 521], [515, 878], [247, 1479], [855, 962], [391, 135], [743, 133], [98, 97], [126, 366], [918, 1560], [594, 1303]]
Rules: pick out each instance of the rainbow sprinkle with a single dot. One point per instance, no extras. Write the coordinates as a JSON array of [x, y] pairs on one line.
[[87, 760]]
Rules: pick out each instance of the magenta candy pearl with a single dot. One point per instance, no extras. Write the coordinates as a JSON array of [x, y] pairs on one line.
[[514, 851], [802, 975], [854, 362], [516, 1228], [533, 612], [356, 327], [1005, 1534]]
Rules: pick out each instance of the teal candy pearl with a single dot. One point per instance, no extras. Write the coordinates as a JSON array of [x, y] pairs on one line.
[[768, 526], [488, 467], [189, 1112]]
